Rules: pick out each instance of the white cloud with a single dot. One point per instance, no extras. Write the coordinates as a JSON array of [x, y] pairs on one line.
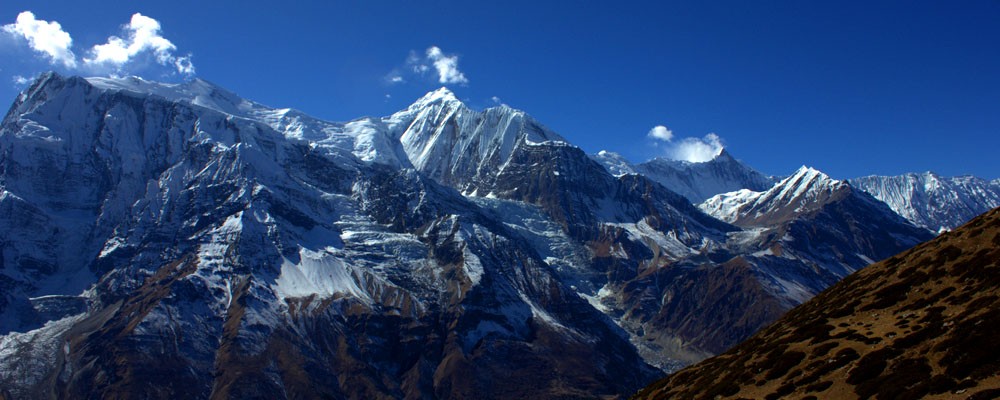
[[446, 66], [433, 59], [44, 37], [20, 80], [661, 132], [696, 149], [495, 100], [142, 35]]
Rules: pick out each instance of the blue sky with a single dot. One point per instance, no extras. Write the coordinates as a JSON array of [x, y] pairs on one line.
[[851, 88]]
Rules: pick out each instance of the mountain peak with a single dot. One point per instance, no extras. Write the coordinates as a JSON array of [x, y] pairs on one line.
[[807, 189], [45, 76], [806, 178], [615, 163], [443, 95], [806, 170], [723, 156], [698, 181]]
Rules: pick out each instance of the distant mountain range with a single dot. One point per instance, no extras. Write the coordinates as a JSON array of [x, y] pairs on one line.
[[919, 324], [176, 240], [927, 200]]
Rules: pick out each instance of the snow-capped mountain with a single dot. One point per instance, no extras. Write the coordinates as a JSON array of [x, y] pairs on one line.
[[815, 218], [698, 181], [932, 201], [202, 238], [452, 144], [804, 191], [178, 240]]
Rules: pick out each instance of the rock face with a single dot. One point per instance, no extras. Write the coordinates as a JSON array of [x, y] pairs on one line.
[[919, 324], [176, 240], [932, 201]]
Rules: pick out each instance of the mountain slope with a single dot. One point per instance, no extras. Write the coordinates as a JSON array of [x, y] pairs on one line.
[[223, 251], [644, 243], [917, 325], [932, 201], [202, 245]]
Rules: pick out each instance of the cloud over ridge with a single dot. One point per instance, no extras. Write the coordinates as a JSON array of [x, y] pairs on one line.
[[141, 37], [446, 66], [697, 149], [142, 34], [690, 149]]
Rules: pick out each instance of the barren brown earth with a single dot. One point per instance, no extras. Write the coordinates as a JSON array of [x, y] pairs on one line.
[[922, 324]]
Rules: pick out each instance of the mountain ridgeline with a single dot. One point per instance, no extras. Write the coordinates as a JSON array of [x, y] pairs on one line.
[[176, 240]]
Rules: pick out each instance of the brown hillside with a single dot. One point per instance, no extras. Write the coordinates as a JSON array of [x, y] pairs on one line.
[[921, 324]]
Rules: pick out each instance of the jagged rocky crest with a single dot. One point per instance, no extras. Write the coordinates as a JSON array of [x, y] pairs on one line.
[[174, 240]]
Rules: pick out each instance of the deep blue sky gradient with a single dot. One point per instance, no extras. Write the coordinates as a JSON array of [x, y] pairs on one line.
[[851, 88]]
